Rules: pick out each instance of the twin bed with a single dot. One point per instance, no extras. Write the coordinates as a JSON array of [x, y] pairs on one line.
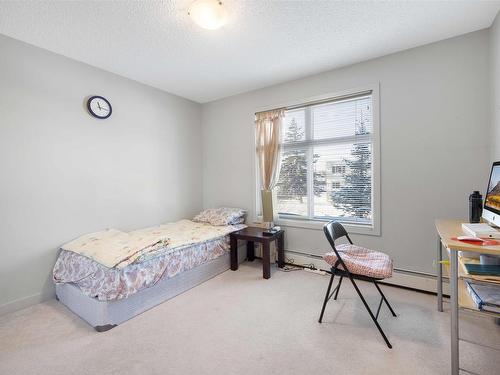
[[109, 277]]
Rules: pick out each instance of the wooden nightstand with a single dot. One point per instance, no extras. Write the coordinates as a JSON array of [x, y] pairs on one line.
[[252, 235]]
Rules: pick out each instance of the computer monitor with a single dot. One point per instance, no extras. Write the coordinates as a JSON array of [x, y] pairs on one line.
[[491, 209]]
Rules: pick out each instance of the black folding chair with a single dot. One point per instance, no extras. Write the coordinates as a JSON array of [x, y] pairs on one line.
[[334, 231]]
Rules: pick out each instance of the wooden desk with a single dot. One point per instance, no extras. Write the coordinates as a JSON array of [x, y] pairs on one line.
[[252, 235], [459, 297]]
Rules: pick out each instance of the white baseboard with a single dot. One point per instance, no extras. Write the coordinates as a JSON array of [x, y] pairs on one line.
[[24, 302], [406, 279]]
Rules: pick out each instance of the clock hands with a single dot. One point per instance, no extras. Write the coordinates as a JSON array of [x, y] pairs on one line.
[[102, 108]]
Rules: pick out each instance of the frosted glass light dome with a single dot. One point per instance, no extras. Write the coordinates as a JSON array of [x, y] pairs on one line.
[[209, 14]]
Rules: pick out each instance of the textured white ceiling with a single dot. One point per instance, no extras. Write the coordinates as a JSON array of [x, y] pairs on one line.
[[264, 42]]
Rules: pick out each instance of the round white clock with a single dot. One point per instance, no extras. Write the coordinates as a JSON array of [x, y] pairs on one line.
[[99, 107]]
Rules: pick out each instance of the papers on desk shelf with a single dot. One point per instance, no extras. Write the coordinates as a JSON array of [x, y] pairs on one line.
[[482, 269], [485, 296], [462, 261]]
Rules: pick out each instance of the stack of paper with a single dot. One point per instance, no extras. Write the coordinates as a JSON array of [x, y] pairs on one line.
[[485, 296]]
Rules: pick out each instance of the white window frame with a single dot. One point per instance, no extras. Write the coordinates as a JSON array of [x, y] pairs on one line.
[[317, 224]]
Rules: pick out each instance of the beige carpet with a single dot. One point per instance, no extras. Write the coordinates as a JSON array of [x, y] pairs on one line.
[[238, 323]]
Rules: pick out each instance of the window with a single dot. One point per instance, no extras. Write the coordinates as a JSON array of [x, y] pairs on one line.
[[327, 161], [338, 169], [335, 185]]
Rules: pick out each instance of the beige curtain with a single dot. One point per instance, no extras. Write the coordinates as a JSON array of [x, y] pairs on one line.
[[268, 136]]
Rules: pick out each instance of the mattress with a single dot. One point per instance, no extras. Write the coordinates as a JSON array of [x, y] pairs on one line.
[[104, 315], [106, 284]]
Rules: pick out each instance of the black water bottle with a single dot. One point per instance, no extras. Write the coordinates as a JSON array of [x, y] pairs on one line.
[[475, 207]]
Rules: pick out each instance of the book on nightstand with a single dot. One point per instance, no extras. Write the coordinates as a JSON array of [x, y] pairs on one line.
[[485, 296]]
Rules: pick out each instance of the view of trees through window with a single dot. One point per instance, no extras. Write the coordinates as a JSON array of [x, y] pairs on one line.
[[326, 164]]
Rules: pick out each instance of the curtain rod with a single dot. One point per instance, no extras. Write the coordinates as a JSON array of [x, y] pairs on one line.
[[321, 101]]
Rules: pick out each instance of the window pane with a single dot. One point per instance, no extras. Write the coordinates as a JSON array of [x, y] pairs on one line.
[[332, 140], [342, 119], [342, 182], [291, 189], [294, 129]]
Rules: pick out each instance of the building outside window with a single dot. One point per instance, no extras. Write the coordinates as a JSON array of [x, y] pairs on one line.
[[335, 185], [338, 169]]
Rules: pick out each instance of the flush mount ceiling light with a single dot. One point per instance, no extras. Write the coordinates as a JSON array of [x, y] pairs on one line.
[[209, 14]]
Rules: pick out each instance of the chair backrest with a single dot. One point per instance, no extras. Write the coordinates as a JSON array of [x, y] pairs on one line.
[[333, 231]]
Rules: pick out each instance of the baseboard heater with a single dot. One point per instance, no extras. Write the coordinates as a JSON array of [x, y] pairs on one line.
[[401, 277]]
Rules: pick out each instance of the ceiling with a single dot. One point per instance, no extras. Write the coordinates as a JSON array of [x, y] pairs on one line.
[[263, 43]]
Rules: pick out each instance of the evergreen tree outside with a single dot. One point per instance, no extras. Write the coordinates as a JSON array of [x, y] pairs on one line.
[[292, 183], [319, 184], [355, 197]]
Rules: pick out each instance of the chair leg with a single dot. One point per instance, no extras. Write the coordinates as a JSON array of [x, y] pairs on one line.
[[385, 299], [326, 298], [370, 312], [378, 310], [338, 288]]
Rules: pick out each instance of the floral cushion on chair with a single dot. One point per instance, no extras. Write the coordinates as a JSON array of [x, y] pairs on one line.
[[221, 216], [362, 261]]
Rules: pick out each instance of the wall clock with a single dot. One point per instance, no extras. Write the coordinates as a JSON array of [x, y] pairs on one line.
[[99, 107]]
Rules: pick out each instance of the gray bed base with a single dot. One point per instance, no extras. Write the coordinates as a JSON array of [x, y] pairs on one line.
[[104, 315]]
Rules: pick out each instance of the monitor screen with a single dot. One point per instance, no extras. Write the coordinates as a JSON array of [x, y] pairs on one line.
[[492, 201]]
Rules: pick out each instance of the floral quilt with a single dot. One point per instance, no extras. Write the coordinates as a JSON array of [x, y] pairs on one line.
[[190, 245], [116, 249]]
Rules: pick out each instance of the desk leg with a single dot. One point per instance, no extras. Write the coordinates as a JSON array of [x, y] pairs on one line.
[[281, 250], [266, 260], [454, 312], [439, 275], [250, 251], [234, 253]]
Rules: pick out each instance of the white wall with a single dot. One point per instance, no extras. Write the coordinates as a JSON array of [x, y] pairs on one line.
[[495, 87], [64, 173], [434, 142]]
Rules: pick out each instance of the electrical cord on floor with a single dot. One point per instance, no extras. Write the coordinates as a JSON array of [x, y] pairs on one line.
[[291, 266]]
